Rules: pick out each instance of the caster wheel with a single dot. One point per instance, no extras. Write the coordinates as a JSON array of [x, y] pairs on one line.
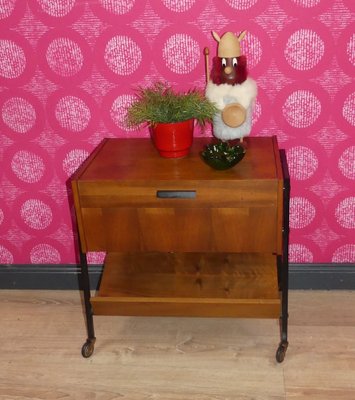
[[87, 349], [281, 352]]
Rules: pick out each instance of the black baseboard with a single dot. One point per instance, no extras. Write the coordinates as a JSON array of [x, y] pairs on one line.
[[42, 276], [67, 277], [322, 276]]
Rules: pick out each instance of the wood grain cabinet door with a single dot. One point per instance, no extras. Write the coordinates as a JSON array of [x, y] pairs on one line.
[[181, 229]]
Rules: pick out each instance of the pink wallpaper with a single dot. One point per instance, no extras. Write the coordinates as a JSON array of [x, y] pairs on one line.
[[67, 68]]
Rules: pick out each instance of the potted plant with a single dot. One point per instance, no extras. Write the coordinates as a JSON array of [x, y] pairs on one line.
[[170, 116]]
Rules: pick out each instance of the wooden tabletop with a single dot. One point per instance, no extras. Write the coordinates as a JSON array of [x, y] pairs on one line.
[[137, 159]]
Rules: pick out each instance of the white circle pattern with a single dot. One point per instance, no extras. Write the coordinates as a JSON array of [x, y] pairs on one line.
[[349, 109], [299, 253], [306, 3], [72, 113], [12, 59], [301, 109], [303, 162], [344, 254], [36, 214], [345, 213], [346, 163], [304, 49], [44, 253], [118, 110], [302, 212], [64, 57], [57, 8], [179, 5], [241, 4], [118, 7], [27, 166], [122, 55], [351, 49], [181, 53], [73, 159], [6, 8], [6, 256], [18, 114]]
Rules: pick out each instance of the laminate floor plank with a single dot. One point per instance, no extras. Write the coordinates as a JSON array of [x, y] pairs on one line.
[[140, 358]]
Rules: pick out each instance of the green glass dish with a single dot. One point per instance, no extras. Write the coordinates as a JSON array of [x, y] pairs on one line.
[[222, 155]]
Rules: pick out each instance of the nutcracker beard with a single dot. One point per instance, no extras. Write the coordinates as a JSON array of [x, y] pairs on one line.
[[232, 71]]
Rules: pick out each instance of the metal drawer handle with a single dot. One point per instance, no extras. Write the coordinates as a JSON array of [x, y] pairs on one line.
[[176, 194]]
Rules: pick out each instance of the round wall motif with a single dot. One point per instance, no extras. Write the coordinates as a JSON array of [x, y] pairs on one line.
[[176, 56], [303, 107], [13, 59], [122, 11], [65, 56], [345, 213], [300, 253], [17, 61], [306, 49], [179, 53], [344, 254], [304, 9], [344, 107], [44, 253], [36, 213], [57, 12], [21, 114], [186, 10], [346, 163], [11, 11], [4, 217], [28, 166], [57, 8], [302, 212], [122, 54], [72, 111], [73, 159], [115, 110], [69, 157], [7, 9], [341, 213], [303, 162], [6, 256], [247, 7], [345, 49], [349, 109]]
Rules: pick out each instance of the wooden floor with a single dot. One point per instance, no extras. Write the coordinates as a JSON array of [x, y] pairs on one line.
[[138, 358]]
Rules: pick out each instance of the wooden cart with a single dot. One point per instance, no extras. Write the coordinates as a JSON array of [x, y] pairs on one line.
[[181, 238]]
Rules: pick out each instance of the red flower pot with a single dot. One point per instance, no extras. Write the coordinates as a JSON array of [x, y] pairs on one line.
[[173, 140]]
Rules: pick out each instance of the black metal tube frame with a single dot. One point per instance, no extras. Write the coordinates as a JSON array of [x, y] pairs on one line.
[[88, 346], [283, 267]]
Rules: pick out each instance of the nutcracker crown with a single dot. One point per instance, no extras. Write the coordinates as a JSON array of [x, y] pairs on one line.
[[228, 44]]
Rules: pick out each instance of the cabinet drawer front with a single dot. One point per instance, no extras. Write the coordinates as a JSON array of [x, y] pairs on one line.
[[246, 229], [168, 194]]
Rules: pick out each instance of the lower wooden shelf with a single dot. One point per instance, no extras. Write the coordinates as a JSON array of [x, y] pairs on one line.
[[189, 284]]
